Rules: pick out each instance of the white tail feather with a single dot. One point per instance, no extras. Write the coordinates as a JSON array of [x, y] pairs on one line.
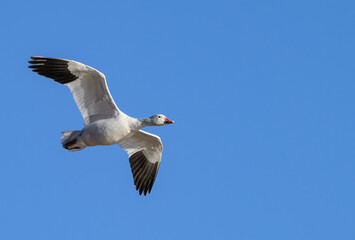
[[71, 140]]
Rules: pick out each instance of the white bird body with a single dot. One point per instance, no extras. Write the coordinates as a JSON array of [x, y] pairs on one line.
[[104, 123], [108, 131]]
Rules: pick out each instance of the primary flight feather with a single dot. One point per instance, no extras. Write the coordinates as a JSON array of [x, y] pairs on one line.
[[105, 124]]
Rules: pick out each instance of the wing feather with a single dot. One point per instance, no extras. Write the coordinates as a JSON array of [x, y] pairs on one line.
[[144, 151], [88, 86]]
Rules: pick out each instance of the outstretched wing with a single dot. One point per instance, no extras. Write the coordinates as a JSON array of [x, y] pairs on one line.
[[87, 85], [144, 151]]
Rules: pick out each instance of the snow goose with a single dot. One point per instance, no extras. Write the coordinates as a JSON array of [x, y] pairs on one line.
[[104, 123]]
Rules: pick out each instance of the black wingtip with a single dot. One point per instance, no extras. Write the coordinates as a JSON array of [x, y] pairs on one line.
[[54, 68], [144, 172]]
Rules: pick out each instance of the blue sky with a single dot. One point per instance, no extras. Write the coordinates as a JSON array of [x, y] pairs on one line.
[[262, 93]]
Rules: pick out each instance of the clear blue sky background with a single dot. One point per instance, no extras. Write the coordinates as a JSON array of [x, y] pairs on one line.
[[262, 93]]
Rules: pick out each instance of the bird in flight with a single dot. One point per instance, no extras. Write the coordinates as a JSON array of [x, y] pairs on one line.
[[104, 123]]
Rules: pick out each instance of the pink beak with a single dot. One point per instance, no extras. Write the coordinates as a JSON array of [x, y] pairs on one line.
[[168, 121]]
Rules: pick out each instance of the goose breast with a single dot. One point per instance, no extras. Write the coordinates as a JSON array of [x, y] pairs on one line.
[[106, 131]]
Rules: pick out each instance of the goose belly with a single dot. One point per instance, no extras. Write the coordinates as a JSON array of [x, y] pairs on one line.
[[104, 132]]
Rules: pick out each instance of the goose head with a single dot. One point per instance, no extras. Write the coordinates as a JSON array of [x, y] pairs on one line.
[[160, 120]]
